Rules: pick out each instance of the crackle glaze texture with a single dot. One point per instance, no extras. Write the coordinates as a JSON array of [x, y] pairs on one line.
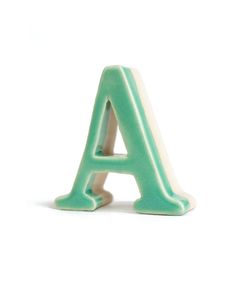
[[121, 101]]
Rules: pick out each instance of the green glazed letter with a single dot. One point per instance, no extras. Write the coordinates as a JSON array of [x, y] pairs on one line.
[[120, 100]]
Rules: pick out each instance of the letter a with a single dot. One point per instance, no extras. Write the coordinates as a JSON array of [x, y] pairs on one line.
[[120, 100]]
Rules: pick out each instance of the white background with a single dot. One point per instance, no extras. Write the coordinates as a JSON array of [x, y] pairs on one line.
[[51, 56]]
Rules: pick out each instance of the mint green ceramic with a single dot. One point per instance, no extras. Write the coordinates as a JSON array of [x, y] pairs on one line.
[[121, 100]]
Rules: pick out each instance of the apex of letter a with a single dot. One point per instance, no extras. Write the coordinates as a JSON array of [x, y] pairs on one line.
[[121, 102]]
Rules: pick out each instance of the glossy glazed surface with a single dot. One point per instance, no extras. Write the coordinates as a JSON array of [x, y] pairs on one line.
[[120, 101]]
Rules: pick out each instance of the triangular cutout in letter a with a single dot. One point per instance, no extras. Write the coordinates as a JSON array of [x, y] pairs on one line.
[[120, 100]]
